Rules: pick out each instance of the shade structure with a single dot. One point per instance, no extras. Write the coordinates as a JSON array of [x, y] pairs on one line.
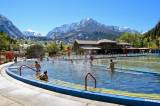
[[90, 48]]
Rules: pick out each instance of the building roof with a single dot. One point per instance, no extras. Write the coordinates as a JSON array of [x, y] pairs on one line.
[[95, 42], [106, 41], [124, 43], [86, 42], [90, 48], [131, 48], [144, 48]]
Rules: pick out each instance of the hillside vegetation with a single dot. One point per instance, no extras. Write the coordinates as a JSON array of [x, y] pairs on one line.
[[153, 36], [150, 39]]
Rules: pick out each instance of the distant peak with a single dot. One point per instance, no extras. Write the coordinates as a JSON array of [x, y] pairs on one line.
[[29, 30], [87, 19]]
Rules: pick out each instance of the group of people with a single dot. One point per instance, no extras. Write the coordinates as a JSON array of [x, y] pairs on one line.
[[43, 76]]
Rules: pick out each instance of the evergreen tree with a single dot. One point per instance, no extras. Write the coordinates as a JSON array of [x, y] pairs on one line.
[[153, 35], [4, 41]]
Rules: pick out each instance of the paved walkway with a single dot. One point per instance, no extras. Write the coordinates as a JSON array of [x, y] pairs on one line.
[[16, 93]]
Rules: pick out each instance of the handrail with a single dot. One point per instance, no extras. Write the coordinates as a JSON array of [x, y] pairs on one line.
[[20, 69], [87, 80]]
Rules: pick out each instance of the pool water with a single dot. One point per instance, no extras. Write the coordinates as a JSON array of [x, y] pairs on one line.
[[122, 79], [142, 63]]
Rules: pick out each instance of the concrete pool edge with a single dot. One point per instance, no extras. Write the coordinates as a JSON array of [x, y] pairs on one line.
[[87, 94]]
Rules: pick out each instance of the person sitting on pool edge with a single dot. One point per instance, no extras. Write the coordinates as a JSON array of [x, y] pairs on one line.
[[44, 76]]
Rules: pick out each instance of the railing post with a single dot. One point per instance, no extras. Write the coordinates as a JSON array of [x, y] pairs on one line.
[[86, 79], [20, 69], [86, 82]]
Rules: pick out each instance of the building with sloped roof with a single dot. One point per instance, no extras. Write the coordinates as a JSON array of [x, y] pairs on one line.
[[103, 46]]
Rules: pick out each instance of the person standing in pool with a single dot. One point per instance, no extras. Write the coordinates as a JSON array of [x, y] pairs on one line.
[[111, 65], [15, 59], [71, 61], [38, 67], [91, 59], [111, 68]]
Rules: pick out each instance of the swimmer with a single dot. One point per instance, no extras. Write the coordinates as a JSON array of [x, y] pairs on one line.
[[44, 76], [112, 68], [37, 66]]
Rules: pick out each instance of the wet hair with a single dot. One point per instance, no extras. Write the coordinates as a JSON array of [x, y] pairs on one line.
[[111, 60], [45, 72], [36, 62]]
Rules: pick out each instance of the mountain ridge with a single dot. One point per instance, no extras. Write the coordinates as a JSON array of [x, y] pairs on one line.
[[88, 29], [85, 29], [8, 27], [30, 32]]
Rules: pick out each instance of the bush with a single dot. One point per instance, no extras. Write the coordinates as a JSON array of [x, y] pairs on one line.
[[35, 51], [53, 49]]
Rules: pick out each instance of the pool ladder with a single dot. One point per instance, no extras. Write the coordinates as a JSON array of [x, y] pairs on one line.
[[86, 80], [20, 69]]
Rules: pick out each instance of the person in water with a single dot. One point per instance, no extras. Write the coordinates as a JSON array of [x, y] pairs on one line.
[[44, 76], [71, 61], [15, 59], [47, 59], [111, 68], [37, 66], [91, 59], [111, 65]]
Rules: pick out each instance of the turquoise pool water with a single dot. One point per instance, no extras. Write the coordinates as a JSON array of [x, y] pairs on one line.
[[123, 79], [142, 63]]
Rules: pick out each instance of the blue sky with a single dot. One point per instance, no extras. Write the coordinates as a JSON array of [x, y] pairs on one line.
[[44, 15]]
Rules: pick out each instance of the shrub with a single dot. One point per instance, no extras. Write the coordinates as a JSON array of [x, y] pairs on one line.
[[35, 51]]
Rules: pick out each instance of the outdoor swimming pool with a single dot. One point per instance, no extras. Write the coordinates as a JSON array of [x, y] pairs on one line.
[[142, 63], [122, 80]]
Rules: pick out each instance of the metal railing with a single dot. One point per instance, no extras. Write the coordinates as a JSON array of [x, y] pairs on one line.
[[86, 79], [20, 69]]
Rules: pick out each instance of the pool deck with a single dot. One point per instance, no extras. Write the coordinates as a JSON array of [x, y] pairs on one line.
[[16, 93]]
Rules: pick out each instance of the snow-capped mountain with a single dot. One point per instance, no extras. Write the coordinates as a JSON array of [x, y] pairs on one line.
[[30, 32], [8, 27], [34, 35], [87, 29], [126, 29]]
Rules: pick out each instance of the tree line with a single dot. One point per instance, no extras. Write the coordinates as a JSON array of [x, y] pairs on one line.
[[150, 39], [6, 43], [35, 49]]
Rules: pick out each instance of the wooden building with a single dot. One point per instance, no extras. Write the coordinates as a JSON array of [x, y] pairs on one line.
[[104, 46], [85, 47]]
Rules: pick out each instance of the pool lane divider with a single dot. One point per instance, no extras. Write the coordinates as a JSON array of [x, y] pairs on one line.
[[123, 100]]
